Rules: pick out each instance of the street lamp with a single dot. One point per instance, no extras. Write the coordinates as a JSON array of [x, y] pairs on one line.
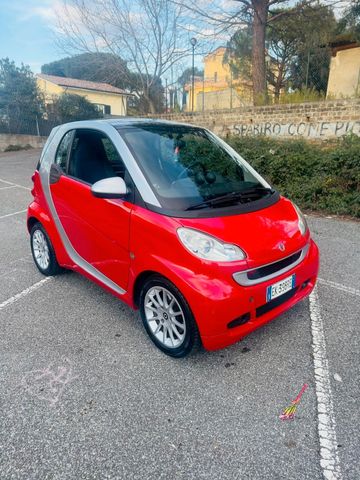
[[193, 42]]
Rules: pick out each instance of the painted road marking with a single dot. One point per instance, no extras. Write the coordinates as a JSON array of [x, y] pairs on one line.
[[14, 184], [329, 457], [339, 286], [11, 214], [7, 188], [23, 294]]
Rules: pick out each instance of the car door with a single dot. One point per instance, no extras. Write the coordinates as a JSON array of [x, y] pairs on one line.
[[96, 228]]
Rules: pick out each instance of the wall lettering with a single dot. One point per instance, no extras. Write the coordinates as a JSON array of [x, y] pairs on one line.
[[309, 130]]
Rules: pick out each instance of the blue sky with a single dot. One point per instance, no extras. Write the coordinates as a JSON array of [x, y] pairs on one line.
[[25, 33]]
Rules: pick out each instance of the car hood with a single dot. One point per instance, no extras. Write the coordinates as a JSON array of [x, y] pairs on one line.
[[266, 235]]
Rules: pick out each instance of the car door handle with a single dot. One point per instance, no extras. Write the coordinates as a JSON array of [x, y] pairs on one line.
[[55, 173]]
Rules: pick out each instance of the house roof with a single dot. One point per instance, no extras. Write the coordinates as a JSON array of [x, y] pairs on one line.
[[342, 44], [83, 84]]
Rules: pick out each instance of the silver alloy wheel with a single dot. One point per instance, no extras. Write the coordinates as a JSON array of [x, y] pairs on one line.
[[41, 249], [165, 317]]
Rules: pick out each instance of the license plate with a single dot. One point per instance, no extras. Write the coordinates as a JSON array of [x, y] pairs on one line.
[[279, 288]]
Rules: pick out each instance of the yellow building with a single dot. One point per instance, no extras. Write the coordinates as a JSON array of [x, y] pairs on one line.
[[108, 99], [218, 90], [344, 75]]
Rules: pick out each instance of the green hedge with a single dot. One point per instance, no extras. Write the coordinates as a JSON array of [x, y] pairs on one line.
[[321, 177]]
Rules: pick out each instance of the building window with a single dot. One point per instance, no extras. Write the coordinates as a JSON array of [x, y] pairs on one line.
[[104, 109], [215, 77]]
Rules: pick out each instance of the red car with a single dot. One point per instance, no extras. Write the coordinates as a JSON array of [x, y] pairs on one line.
[[174, 222]]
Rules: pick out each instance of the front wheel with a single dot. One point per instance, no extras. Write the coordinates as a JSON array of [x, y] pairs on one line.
[[43, 252], [167, 317]]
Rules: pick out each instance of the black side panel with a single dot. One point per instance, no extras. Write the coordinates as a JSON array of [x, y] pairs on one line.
[[55, 173]]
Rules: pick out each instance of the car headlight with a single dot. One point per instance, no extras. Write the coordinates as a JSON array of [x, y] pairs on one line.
[[301, 220], [208, 247]]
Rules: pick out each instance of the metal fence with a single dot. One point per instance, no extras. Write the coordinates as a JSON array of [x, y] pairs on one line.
[[26, 125]]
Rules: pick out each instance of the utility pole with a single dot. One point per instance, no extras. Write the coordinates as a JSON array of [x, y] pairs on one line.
[[166, 99], [193, 42], [203, 95], [307, 70]]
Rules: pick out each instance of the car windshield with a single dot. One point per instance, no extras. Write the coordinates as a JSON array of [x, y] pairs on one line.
[[189, 168]]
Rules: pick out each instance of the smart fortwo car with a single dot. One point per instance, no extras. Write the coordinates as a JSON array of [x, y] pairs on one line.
[[174, 222]]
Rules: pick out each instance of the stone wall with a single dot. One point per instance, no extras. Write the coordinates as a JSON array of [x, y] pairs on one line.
[[313, 120], [32, 140]]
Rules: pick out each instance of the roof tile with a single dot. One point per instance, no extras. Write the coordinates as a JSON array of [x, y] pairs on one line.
[[77, 83]]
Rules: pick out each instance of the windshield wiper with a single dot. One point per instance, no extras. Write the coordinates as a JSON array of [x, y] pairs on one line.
[[241, 195]]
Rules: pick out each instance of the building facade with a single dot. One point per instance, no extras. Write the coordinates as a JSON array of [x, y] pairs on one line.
[[344, 75], [108, 99], [218, 90]]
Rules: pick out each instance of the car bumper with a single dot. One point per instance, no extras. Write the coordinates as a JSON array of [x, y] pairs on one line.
[[248, 305]]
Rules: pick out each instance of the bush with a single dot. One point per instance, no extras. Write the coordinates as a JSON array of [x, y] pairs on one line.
[[17, 147], [69, 107], [320, 177]]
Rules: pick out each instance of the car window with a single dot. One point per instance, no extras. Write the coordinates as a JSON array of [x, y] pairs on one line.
[[187, 167], [62, 151], [93, 157]]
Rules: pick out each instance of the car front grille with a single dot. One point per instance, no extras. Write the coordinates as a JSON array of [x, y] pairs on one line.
[[271, 270]]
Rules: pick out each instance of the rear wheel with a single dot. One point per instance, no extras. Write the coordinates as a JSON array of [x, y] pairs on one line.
[[43, 252], [167, 317]]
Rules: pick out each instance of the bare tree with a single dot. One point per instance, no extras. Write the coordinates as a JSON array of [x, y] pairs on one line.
[[145, 33], [231, 15]]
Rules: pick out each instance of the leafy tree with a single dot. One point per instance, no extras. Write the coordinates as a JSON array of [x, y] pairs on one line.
[[258, 16], [69, 108], [295, 43], [94, 66], [186, 76], [109, 68], [349, 24], [20, 100]]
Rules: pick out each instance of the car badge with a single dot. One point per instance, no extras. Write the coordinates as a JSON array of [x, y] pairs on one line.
[[281, 247]]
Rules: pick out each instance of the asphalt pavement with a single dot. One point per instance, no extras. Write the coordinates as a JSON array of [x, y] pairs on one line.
[[85, 395]]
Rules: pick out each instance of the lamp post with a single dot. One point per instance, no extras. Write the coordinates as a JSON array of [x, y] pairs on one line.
[[193, 42]]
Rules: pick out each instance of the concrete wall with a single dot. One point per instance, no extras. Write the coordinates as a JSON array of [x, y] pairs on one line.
[[313, 120], [7, 139], [344, 75]]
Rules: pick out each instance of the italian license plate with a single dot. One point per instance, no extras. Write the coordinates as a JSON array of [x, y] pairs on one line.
[[279, 288]]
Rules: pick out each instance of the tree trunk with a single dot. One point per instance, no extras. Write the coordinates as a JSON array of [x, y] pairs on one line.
[[152, 106], [279, 82], [261, 8], [149, 101]]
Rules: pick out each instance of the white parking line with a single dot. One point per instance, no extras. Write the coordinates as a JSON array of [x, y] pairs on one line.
[[25, 292], [14, 184], [11, 214], [329, 457], [7, 188], [339, 286]]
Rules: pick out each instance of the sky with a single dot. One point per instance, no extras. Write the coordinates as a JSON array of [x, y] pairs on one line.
[[25, 33]]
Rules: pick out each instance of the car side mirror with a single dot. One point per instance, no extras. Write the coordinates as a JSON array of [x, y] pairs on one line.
[[113, 187]]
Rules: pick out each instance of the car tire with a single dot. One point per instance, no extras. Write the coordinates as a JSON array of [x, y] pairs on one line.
[[43, 251], [167, 317]]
